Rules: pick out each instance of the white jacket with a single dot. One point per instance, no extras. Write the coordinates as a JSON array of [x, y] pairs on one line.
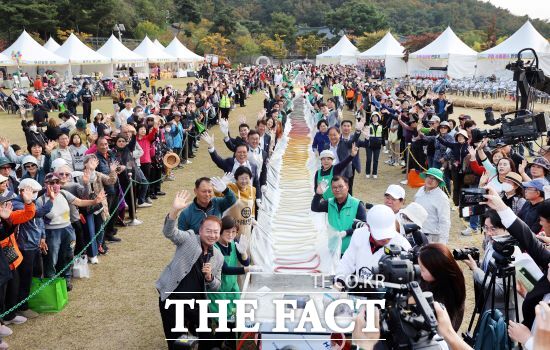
[[359, 255], [438, 207]]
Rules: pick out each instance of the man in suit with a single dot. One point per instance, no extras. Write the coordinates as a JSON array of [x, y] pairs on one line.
[[341, 148], [232, 143], [194, 270], [346, 128], [257, 155], [240, 158], [265, 138]]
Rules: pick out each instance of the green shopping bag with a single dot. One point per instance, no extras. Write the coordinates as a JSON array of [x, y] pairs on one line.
[[52, 298]]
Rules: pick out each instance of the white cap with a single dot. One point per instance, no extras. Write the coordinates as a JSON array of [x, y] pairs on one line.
[[326, 154], [396, 191], [3, 178], [381, 221], [28, 182], [416, 213], [58, 163], [29, 159]]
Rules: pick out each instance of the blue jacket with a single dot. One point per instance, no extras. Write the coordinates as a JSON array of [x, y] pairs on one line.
[[193, 216], [32, 231], [321, 142], [177, 134]]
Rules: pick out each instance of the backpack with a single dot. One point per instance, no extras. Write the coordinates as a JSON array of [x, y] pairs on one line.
[[492, 333]]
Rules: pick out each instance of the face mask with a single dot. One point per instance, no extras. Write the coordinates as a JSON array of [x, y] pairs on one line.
[[32, 128], [34, 196], [506, 187], [56, 189]]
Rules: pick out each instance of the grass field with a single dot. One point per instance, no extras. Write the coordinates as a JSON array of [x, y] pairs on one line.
[[117, 308]]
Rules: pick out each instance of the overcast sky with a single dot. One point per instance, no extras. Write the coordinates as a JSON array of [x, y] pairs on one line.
[[533, 8]]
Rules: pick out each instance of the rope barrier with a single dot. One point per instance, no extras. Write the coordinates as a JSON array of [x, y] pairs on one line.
[[77, 256]]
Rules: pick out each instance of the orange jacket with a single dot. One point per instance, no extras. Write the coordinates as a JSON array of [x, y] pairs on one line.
[[18, 217]]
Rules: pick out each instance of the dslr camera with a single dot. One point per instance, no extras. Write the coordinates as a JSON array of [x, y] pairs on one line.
[[462, 253], [469, 202]]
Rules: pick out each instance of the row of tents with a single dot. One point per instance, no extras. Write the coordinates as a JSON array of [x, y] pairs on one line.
[[446, 52], [74, 57]]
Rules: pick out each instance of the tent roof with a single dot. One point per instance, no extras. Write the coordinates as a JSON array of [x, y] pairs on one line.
[[51, 45], [387, 46], [32, 53], [526, 36], [158, 44], [78, 53], [182, 53], [343, 47], [152, 52], [446, 44], [119, 53]]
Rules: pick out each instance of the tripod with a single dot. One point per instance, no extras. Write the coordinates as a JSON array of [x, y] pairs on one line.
[[500, 267]]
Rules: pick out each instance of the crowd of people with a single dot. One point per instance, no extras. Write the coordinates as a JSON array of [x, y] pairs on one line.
[[82, 176]]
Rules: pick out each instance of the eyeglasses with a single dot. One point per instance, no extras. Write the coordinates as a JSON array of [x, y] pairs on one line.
[[490, 228], [53, 182], [29, 166], [532, 189], [5, 168], [64, 174]]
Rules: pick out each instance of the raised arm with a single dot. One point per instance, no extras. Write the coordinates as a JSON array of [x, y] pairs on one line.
[[170, 230]]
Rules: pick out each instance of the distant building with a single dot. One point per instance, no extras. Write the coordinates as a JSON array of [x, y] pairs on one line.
[[321, 31]]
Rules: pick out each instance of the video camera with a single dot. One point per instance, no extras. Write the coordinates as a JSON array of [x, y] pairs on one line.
[[462, 253], [469, 202], [404, 324], [416, 238], [504, 247], [526, 126]]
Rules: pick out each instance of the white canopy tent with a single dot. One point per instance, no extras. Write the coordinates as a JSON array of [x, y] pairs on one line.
[[152, 53], [82, 59], [494, 60], [344, 52], [5, 60], [120, 54], [33, 55], [182, 53], [389, 50], [51, 45], [445, 51], [158, 44]]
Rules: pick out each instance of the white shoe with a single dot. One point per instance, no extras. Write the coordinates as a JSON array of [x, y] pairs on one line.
[[3, 344], [148, 200], [5, 331], [375, 176], [404, 182], [402, 163], [368, 176], [135, 222], [16, 320], [389, 161], [144, 205], [467, 232], [188, 161], [94, 260], [386, 151]]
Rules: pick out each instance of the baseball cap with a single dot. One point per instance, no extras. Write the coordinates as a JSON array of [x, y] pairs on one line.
[[381, 221], [537, 183], [51, 177], [396, 191], [435, 119]]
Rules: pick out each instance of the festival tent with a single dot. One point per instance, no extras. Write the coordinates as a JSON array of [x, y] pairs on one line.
[[32, 55], [120, 54], [445, 51], [344, 52], [389, 50], [182, 53], [82, 59], [158, 44], [5, 60], [51, 45], [152, 53], [494, 60]]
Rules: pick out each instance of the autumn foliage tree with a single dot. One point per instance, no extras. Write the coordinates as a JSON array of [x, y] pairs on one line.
[[215, 43], [309, 45], [274, 47], [367, 40]]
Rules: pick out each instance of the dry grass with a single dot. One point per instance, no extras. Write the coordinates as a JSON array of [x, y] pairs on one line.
[[118, 307]]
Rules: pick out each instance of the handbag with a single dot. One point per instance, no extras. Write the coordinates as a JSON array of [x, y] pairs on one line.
[[10, 252], [52, 298]]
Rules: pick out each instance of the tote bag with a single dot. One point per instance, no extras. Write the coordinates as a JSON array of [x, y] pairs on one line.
[[52, 298]]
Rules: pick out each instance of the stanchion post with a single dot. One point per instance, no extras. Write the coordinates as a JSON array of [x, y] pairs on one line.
[[134, 221], [408, 150]]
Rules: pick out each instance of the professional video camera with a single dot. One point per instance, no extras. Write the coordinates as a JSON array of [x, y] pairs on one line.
[[503, 247], [416, 238], [462, 253], [403, 324], [526, 126]]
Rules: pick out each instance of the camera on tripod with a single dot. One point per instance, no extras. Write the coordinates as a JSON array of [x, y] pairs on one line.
[[469, 202], [504, 247], [462, 253], [405, 324]]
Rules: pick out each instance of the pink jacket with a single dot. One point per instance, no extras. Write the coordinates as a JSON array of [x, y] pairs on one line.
[[146, 145]]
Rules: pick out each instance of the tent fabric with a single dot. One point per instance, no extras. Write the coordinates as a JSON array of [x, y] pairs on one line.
[[158, 44], [32, 53], [445, 51], [118, 53], [5, 60], [494, 60], [51, 45], [152, 53], [344, 52], [182, 53], [391, 51], [78, 53]]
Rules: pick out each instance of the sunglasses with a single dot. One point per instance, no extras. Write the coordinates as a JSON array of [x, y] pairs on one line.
[[30, 166], [53, 182]]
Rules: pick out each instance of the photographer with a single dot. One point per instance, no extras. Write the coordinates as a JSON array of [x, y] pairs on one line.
[[364, 250], [528, 242], [442, 276], [492, 227]]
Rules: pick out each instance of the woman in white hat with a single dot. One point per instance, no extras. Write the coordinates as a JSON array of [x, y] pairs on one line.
[[327, 171]]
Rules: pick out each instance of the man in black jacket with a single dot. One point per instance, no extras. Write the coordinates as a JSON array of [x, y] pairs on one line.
[[528, 242]]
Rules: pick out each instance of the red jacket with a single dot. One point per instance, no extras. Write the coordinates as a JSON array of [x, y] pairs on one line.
[[145, 144], [476, 168]]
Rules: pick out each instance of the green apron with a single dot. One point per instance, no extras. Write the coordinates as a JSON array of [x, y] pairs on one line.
[[343, 220], [228, 284], [328, 178]]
